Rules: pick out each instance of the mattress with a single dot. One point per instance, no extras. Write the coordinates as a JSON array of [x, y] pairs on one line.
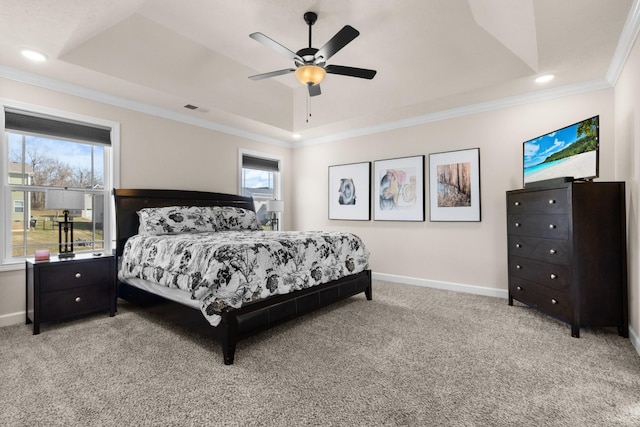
[[217, 270]]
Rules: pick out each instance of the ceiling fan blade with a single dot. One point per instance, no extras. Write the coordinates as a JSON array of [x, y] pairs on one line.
[[272, 74], [314, 90], [337, 42], [272, 44], [363, 73]]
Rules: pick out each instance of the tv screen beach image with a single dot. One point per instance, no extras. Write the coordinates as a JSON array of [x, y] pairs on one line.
[[568, 152]]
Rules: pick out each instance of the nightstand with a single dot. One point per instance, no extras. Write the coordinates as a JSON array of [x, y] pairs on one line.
[[63, 288]]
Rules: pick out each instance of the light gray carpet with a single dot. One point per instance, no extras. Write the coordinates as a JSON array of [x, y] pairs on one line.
[[413, 356]]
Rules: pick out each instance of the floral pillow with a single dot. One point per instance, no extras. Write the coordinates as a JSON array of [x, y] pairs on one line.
[[232, 218], [176, 219]]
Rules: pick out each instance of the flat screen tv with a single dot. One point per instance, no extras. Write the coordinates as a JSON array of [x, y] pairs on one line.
[[572, 152]]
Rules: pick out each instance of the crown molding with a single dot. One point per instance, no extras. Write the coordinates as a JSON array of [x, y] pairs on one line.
[[575, 89], [626, 41], [94, 95]]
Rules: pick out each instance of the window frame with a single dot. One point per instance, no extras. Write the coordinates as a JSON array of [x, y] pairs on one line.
[[111, 177]]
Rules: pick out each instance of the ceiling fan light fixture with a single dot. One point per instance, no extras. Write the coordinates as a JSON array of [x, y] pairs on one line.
[[310, 75]]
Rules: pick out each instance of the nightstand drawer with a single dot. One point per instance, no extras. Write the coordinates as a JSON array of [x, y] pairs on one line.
[[66, 275], [76, 301]]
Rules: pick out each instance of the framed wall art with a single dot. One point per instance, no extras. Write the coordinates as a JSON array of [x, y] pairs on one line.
[[350, 191], [454, 185], [399, 189]]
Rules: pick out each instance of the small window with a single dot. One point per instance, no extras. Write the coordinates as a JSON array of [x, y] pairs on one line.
[[260, 179], [18, 206]]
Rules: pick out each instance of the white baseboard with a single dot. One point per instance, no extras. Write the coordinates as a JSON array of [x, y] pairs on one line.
[[450, 286], [478, 290], [635, 339], [12, 318]]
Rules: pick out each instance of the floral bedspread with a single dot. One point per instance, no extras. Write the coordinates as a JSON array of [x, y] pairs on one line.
[[228, 268]]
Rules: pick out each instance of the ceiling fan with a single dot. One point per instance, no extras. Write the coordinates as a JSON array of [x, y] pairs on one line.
[[310, 63]]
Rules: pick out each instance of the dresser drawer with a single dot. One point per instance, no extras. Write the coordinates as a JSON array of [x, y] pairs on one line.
[[555, 201], [544, 226], [555, 303], [76, 301], [555, 276], [547, 250], [74, 274]]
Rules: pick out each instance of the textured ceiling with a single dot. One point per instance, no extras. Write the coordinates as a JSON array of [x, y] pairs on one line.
[[431, 55]]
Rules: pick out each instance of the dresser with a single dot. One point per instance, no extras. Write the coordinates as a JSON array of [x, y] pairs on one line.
[[567, 252], [63, 288]]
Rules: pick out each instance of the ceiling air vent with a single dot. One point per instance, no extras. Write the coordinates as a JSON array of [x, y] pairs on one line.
[[196, 108]]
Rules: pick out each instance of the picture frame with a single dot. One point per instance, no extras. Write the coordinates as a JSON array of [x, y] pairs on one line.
[[350, 191], [399, 189], [454, 185]]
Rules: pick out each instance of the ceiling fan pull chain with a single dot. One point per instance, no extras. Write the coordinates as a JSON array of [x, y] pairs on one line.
[[308, 106]]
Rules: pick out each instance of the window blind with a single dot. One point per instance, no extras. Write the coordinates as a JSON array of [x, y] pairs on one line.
[[251, 162], [25, 121]]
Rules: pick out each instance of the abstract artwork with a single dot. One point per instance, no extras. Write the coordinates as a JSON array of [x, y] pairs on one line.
[[454, 185], [399, 189], [350, 192]]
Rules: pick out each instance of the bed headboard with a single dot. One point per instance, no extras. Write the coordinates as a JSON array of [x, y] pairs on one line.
[[129, 201]]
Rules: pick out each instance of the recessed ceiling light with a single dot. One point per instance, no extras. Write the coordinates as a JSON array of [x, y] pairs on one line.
[[296, 135], [34, 55], [545, 78]]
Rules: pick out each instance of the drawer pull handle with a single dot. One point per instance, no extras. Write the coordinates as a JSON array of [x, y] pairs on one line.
[[518, 266], [517, 224], [551, 201], [78, 299], [518, 245], [519, 288], [553, 252], [553, 301], [78, 275], [553, 276], [552, 226], [517, 203]]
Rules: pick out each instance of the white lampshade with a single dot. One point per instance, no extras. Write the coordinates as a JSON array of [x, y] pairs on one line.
[[67, 200], [275, 206]]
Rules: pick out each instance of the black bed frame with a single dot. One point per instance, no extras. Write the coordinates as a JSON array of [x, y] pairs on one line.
[[250, 318]]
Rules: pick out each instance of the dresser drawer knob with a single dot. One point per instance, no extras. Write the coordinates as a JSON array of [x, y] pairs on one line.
[[78, 299], [517, 224], [518, 245], [518, 266], [78, 275], [553, 276], [519, 288], [553, 252], [551, 201], [552, 226], [553, 301], [517, 203]]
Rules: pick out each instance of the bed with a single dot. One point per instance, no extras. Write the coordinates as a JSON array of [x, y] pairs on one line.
[[235, 302]]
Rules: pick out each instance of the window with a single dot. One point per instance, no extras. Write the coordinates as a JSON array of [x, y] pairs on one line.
[[44, 151], [260, 179]]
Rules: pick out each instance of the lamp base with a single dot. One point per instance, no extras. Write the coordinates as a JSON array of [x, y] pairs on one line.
[[63, 255]]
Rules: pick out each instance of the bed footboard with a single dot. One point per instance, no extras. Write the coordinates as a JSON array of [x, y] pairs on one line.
[[252, 318]]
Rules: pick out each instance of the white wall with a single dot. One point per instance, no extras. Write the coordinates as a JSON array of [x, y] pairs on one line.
[[433, 253], [154, 153], [627, 107], [457, 253]]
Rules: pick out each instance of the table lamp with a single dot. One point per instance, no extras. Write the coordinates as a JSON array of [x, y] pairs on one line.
[[64, 200], [275, 206]]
